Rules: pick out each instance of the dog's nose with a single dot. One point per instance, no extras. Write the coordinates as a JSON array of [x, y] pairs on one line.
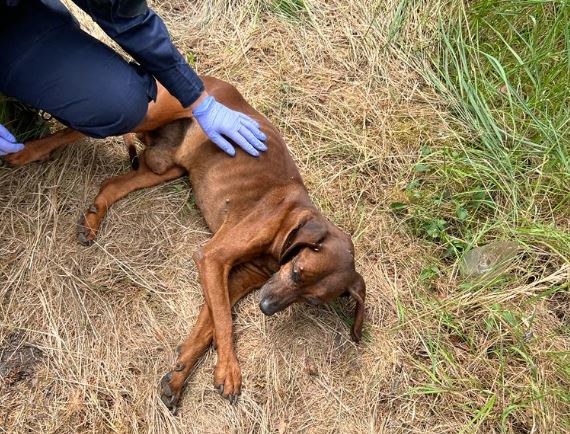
[[267, 307]]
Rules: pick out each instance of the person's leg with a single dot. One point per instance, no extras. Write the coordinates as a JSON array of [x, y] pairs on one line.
[[49, 63]]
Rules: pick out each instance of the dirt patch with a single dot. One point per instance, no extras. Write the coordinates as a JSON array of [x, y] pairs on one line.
[[18, 359]]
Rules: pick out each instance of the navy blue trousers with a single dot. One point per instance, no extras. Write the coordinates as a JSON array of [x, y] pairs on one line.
[[48, 62]]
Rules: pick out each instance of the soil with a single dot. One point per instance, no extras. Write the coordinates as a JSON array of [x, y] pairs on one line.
[[18, 359]]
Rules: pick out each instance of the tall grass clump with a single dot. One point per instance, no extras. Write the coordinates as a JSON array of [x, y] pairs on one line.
[[503, 71], [503, 67]]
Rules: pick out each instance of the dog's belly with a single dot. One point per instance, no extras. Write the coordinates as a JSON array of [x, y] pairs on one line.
[[228, 189]]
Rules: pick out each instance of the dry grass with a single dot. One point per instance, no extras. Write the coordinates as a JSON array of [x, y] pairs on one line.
[[107, 318]]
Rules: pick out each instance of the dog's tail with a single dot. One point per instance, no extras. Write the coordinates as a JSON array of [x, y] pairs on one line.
[[129, 139]]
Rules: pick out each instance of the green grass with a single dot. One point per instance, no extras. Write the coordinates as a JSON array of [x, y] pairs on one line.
[[290, 9], [504, 71], [504, 68], [22, 121]]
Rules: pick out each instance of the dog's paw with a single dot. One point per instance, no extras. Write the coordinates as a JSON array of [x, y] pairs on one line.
[[27, 155], [87, 226], [170, 391], [227, 380]]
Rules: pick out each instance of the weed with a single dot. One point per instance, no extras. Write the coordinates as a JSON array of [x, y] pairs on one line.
[[22, 121]]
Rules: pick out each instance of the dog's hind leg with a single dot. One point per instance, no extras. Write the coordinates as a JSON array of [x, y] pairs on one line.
[[115, 189], [242, 280], [37, 150]]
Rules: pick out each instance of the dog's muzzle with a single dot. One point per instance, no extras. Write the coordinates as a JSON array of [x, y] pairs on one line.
[[267, 307]]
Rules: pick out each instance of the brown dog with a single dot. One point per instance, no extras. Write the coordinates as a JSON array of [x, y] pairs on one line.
[[267, 234]]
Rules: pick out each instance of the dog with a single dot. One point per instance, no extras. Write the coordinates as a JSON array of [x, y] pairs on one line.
[[267, 234]]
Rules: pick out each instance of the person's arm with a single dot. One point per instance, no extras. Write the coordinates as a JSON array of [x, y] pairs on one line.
[[142, 34]]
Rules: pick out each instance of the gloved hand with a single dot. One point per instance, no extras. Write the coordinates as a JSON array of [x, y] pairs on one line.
[[8, 143], [217, 119]]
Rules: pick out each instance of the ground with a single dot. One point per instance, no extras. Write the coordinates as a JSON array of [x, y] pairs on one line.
[[96, 327]]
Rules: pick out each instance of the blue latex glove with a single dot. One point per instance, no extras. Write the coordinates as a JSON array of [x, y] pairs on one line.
[[217, 119], [8, 143]]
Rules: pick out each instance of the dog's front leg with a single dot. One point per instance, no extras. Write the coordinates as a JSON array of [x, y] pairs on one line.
[[214, 261], [214, 265], [242, 280]]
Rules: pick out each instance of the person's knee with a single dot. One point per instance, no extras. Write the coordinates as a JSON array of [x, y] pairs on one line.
[[111, 112], [114, 117]]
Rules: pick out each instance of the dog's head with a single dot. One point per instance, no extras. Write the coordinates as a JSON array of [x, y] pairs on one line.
[[316, 266]]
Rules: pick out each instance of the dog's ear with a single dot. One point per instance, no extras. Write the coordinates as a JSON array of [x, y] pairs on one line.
[[309, 232], [358, 291]]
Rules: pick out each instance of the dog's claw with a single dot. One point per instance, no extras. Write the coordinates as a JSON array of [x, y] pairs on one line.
[[167, 396], [83, 239], [164, 384], [82, 232], [227, 379], [232, 397], [170, 403], [93, 209]]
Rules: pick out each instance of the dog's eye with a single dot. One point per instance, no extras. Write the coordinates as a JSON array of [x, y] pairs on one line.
[[296, 274]]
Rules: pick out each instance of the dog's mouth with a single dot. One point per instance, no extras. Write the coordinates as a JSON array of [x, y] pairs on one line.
[[274, 297]]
